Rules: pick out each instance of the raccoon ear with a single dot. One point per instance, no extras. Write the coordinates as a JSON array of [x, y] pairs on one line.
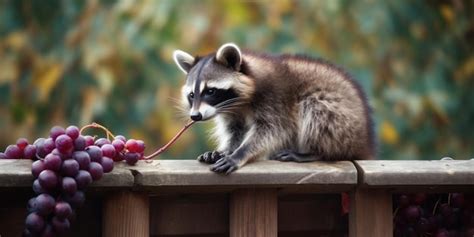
[[183, 60], [229, 54]]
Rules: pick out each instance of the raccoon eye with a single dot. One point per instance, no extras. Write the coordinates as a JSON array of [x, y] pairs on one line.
[[210, 91], [191, 95]]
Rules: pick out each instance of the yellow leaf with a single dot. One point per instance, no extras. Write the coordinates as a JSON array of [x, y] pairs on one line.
[[447, 13], [389, 133], [45, 77]]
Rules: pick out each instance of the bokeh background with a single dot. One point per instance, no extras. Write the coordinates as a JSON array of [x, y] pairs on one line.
[[77, 62]]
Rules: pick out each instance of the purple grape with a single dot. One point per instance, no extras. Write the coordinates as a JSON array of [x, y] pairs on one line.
[[44, 204], [403, 201], [3, 156], [96, 170], [80, 143], [70, 168], [39, 143], [457, 200], [108, 150], [29, 152], [69, 185], [89, 140], [56, 131], [62, 210], [95, 153], [37, 187], [48, 179], [21, 143], [37, 167], [31, 205], [119, 156], [72, 131], [60, 226], [412, 213], [101, 141], [58, 153], [119, 145], [82, 158], [64, 144], [121, 138], [13, 152], [446, 210], [48, 231], [132, 158], [52, 162], [83, 179], [49, 145], [34, 223], [76, 200], [107, 164]]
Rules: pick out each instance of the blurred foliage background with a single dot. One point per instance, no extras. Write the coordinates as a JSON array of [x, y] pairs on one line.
[[75, 62]]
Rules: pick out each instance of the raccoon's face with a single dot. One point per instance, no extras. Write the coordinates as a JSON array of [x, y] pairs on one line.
[[213, 83]]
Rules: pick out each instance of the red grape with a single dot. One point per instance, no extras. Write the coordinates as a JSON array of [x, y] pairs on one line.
[[108, 150], [96, 170], [22, 143], [119, 145], [13, 152], [70, 168], [29, 152], [140, 146], [89, 140], [132, 145], [52, 162], [56, 131], [64, 144], [121, 138], [72, 131], [44, 204], [34, 222], [48, 179], [83, 179], [95, 153], [82, 158], [107, 164], [37, 167], [62, 210]]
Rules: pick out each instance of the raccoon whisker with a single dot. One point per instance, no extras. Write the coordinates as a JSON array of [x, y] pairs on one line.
[[227, 102]]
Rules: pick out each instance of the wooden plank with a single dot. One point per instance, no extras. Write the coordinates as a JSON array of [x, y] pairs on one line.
[[253, 212], [384, 173], [126, 214], [166, 173], [370, 213], [186, 215]]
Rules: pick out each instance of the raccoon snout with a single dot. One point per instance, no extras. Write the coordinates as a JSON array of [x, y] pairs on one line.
[[196, 116]]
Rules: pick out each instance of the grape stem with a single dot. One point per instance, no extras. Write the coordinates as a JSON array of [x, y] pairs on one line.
[[162, 149], [96, 125]]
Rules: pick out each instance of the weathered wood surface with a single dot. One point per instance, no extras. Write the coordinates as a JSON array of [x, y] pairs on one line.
[[126, 214], [379, 173], [370, 213], [260, 173]]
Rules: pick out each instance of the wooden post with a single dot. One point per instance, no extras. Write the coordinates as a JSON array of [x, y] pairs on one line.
[[370, 213], [126, 214], [253, 212]]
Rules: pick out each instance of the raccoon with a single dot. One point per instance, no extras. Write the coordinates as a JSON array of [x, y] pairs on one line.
[[278, 107]]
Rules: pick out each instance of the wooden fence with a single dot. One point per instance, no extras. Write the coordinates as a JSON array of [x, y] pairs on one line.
[[264, 198]]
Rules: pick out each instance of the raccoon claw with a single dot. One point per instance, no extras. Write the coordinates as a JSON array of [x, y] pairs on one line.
[[210, 157], [225, 165]]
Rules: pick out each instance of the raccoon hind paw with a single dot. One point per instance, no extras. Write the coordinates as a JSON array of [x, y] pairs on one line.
[[210, 157], [289, 155]]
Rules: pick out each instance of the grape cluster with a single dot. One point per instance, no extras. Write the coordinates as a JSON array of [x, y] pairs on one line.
[[436, 215], [66, 163]]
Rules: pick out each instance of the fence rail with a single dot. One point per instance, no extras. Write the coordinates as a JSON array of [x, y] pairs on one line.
[[183, 197]]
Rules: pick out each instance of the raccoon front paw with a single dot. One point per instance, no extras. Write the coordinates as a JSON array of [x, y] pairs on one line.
[[210, 157], [225, 165]]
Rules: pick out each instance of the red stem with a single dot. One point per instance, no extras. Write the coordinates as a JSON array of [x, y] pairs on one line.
[[162, 149]]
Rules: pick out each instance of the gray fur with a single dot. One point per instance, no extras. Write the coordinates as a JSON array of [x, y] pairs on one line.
[[290, 108]]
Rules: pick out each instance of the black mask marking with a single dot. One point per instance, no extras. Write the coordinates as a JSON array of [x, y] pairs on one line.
[[219, 96]]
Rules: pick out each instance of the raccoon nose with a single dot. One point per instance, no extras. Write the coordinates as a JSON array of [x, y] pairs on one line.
[[196, 116]]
